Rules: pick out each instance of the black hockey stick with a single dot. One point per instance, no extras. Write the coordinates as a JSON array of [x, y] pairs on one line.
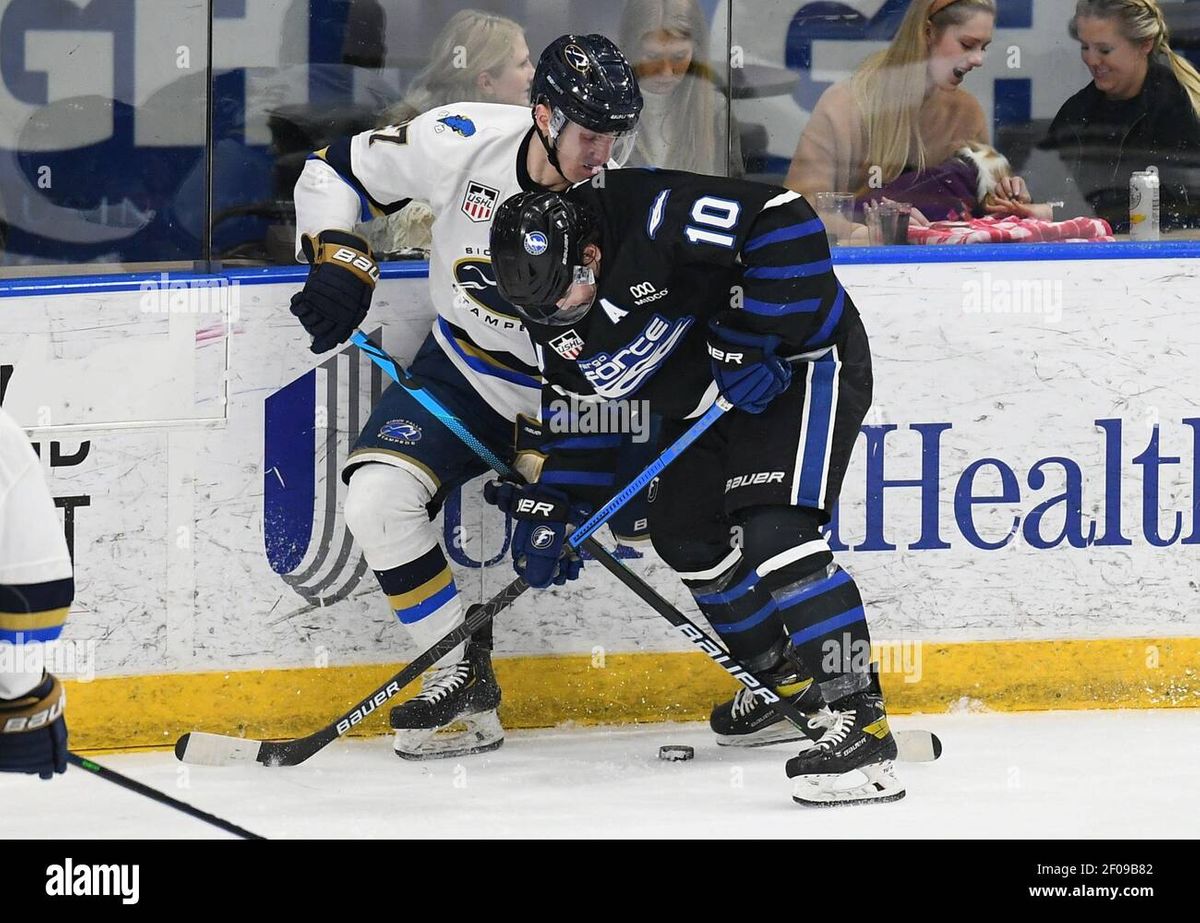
[[914, 745], [154, 794], [222, 750]]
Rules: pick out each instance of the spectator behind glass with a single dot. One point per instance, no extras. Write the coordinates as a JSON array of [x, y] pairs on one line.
[[477, 57], [1140, 109], [684, 119], [903, 109]]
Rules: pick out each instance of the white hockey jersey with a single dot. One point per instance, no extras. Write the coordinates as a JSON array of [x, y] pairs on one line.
[[464, 160], [36, 582]]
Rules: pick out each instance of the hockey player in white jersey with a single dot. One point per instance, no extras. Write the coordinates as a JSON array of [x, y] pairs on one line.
[[36, 589], [464, 160]]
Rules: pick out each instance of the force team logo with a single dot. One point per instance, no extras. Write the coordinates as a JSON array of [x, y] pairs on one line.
[[569, 345], [479, 201]]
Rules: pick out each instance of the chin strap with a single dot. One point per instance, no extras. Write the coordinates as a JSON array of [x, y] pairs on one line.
[[551, 153]]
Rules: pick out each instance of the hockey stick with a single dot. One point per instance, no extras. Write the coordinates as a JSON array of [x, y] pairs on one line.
[[125, 782], [222, 750], [916, 746]]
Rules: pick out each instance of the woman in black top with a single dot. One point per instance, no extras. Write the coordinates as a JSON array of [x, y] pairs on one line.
[[1139, 110]]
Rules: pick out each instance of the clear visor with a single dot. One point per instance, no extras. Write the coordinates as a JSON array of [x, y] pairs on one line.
[[593, 146], [577, 301]]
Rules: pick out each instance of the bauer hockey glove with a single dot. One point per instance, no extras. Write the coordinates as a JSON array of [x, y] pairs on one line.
[[744, 365], [543, 515], [337, 293], [33, 732]]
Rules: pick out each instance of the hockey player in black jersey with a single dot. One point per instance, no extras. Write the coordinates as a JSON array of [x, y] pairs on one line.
[[675, 288]]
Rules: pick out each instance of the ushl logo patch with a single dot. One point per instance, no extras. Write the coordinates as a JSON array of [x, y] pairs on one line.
[[480, 201], [569, 345]]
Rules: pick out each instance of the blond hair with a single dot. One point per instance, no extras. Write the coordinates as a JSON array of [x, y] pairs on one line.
[[889, 87], [1137, 21], [484, 41], [694, 103]]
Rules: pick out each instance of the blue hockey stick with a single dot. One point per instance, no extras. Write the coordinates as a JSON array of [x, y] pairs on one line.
[[915, 746]]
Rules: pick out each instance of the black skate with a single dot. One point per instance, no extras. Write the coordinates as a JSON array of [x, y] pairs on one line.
[[455, 712], [746, 721], [853, 762]]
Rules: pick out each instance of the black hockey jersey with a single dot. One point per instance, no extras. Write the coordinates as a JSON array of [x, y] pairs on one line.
[[678, 249]]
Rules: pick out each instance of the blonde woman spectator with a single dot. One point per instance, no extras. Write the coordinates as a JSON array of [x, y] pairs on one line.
[[904, 108], [477, 57], [684, 123], [1140, 109]]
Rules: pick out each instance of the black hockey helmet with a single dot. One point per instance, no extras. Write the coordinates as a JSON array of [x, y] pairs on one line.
[[537, 255], [586, 79]]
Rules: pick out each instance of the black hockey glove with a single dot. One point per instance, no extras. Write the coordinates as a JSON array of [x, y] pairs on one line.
[[539, 549], [337, 293], [33, 732], [747, 371]]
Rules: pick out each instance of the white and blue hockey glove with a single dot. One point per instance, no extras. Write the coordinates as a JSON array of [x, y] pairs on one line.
[[542, 514], [33, 732], [748, 373]]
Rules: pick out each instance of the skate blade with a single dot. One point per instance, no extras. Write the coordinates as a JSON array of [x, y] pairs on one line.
[[874, 783], [787, 734], [464, 736]]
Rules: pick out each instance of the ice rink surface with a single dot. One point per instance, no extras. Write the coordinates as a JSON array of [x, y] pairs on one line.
[[1103, 774]]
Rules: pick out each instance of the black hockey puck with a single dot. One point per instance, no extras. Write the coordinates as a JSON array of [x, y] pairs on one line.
[[676, 752]]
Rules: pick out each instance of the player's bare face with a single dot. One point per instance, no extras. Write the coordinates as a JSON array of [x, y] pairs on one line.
[[582, 153]]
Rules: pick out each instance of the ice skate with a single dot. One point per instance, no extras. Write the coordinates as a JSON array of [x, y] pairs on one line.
[[853, 762], [746, 721], [454, 714]]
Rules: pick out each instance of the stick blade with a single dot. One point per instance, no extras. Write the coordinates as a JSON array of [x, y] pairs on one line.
[[201, 749], [917, 746]]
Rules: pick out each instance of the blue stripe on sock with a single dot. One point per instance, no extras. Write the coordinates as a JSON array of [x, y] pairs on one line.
[[429, 606], [813, 589], [745, 624], [31, 634], [823, 628], [744, 586]]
